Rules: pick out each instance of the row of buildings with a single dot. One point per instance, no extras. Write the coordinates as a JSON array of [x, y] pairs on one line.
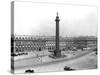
[[39, 43]]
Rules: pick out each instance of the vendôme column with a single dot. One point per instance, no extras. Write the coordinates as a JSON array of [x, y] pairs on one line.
[[57, 52]]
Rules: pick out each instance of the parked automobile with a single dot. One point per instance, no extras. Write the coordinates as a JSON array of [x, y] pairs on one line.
[[66, 68], [13, 54], [29, 71], [18, 54]]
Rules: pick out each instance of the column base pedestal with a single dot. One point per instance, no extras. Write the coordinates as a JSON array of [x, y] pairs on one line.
[[56, 57]]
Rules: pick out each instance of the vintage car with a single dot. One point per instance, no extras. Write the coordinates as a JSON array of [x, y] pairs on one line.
[[29, 71], [66, 68]]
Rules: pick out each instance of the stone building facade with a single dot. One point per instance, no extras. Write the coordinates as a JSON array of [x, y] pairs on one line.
[[31, 43]]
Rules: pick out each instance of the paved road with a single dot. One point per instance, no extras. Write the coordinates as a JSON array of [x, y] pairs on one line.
[[54, 61]]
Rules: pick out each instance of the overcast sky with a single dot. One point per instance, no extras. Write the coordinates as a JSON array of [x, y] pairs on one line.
[[39, 19]]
